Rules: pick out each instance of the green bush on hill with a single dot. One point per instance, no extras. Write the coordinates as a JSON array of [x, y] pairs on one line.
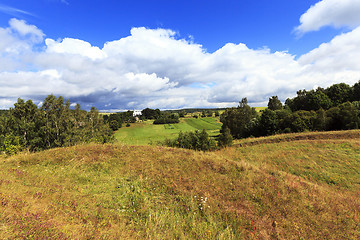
[[195, 140]]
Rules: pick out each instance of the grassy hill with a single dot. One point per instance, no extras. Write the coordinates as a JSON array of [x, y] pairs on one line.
[[145, 133], [304, 188]]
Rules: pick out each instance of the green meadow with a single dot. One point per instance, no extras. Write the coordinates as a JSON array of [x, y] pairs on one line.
[[147, 133]]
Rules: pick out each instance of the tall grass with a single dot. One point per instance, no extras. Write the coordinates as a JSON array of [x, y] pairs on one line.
[[307, 189]]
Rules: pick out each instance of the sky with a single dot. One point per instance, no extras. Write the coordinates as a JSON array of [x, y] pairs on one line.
[[119, 55]]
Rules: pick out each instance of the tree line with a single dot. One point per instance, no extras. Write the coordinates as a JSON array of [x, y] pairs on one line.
[[334, 108], [116, 120], [54, 124]]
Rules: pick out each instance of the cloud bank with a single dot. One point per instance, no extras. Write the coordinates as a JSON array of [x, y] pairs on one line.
[[336, 13], [156, 68]]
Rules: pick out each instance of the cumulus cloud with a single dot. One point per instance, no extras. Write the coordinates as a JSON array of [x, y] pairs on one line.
[[330, 13], [74, 46], [24, 29], [155, 68]]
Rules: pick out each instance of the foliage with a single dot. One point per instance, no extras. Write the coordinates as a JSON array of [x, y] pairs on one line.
[[114, 125], [315, 110], [148, 113], [241, 120], [10, 144], [225, 139], [120, 118], [197, 140], [53, 125], [167, 118], [310, 100], [268, 123], [274, 103], [339, 93], [324, 98]]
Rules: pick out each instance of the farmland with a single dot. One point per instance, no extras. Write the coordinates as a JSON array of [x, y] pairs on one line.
[[145, 133]]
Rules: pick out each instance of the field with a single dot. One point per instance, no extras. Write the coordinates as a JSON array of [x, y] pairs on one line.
[[282, 187], [145, 133]]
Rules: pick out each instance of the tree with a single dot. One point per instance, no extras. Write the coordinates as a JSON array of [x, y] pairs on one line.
[[241, 121], [225, 139], [339, 93], [114, 125], [25, 121], [197, 140], [316, 100], [274, 103], [148, 113], [320, 123], [309, 100], [349, 116], [303, 121], [57, 121], [356, 92], [268, 123]]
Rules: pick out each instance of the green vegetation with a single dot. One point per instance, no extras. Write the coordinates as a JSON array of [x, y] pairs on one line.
[[197, 140], [289, 186], [116, 120], [334, 108], [284, 187], [144, 133], [27, 127], [167, 118]]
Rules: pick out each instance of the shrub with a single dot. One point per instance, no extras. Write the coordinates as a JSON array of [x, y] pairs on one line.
[[225, 139], [197, 140]]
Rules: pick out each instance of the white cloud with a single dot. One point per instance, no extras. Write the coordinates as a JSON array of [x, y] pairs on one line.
[[74, 46], [154, 68], [337, 55], [336, 13], [25, 29]]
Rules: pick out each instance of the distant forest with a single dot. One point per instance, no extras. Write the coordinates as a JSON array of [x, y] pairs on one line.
[[334, 108]]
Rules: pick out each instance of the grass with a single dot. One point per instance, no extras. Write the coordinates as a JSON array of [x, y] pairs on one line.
[[145, 133], [258, 109], [304, 189]]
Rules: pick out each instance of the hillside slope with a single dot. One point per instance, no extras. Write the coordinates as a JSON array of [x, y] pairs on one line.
[[306, 189]]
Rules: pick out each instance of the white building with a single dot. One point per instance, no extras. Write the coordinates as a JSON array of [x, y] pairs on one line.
[[137, 113]]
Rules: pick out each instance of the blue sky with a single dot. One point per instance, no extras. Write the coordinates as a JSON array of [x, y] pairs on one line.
[[211, 23], [173, 54]]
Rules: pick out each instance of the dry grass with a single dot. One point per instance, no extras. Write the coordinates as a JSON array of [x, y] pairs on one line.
[[305, 189]]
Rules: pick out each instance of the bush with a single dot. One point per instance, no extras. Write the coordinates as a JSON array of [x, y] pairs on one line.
[[225, 139], [197, 140], [168, 119], [10, 144], [114, 125]]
